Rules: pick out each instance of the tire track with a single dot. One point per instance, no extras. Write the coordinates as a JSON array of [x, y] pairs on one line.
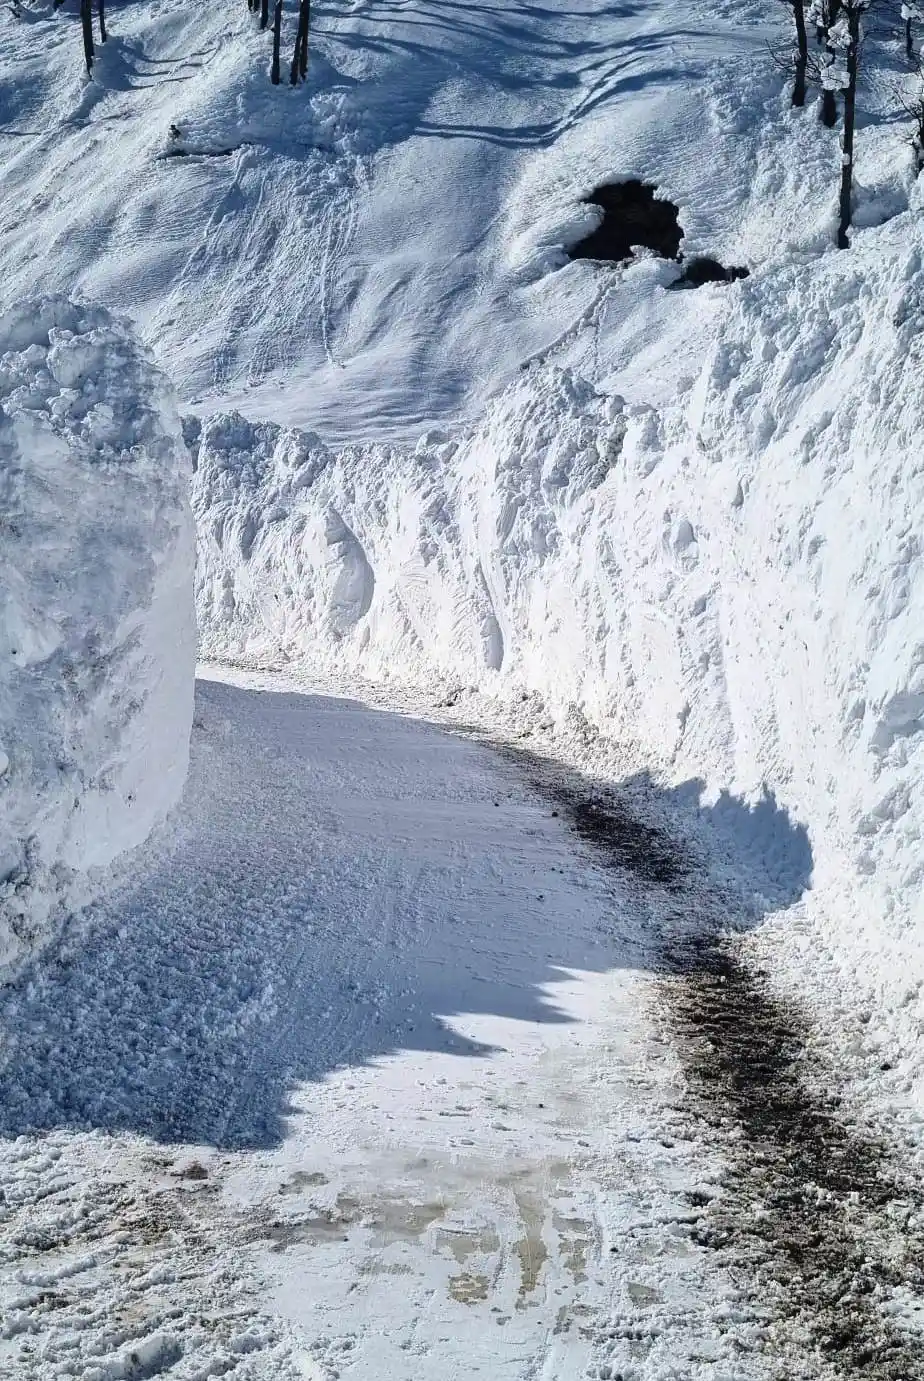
[[816, 1223]]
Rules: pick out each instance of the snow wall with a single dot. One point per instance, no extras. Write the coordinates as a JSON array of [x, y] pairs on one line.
[[97, 624], [736, 583]]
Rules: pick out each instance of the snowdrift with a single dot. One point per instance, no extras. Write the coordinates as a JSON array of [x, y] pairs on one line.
[[97, 630], [735, 581]]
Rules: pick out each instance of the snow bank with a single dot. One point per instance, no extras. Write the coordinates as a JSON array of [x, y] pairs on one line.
[[736, 582], [97, 633]]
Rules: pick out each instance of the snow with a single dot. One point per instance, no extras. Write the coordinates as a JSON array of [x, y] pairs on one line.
[[97, 634], [679, 577], [355, 1072], [295, 262], [358, 1070]]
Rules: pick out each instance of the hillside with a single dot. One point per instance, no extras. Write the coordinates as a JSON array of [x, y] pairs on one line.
[[383, 249]]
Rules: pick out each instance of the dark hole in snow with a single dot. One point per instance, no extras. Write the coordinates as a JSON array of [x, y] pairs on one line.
[[700, 271], [632, 215], [200, 153]]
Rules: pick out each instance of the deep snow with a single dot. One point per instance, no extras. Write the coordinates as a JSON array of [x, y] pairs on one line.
[[386, 249], [97, 626], [680, 578], [383, 250]]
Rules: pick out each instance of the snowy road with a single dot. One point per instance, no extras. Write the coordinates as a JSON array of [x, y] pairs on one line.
[[372, 988], [362, 1073]]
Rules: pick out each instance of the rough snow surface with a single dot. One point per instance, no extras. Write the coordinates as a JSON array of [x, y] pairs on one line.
[[97, 633], [734, 582], [352, 1077], [385, 246]]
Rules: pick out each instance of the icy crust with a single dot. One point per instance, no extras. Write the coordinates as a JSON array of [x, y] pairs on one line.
[[97, 627]]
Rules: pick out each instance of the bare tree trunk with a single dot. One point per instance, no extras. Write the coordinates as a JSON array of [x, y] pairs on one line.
[[86, 24], [277, 37], [850, 114], [909, 39], [798, 89], [828, 97], [301, 40], [264, 13], [102, 21], [303, 53]]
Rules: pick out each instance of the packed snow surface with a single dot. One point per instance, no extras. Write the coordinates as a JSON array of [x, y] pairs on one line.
[[97, 628], [352, 1077]]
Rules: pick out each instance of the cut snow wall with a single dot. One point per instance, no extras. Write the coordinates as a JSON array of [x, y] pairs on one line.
[[97, 629], [737, 584]]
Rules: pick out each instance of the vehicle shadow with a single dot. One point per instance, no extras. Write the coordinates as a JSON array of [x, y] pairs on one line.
[[341, 884]]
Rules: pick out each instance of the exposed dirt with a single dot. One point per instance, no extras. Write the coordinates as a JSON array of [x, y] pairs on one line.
[[815, 1219], [829, 1229]]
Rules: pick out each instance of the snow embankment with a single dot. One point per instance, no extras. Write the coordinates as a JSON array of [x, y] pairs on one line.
[[97, 628], [736, 582]]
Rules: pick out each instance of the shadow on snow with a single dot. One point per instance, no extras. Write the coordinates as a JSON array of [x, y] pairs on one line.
[[242, 959]]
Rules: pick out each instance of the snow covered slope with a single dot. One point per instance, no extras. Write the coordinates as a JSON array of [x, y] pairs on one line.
[[723, 568], [384, 248], [97, 633], [735, 583]]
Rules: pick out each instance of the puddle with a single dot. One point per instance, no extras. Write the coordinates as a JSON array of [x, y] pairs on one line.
[[468, 1288], [531, 1251]]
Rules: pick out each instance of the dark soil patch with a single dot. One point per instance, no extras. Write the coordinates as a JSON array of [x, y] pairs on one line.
[[815, 1220], [627, 842], [814, 1212], [632, 215]]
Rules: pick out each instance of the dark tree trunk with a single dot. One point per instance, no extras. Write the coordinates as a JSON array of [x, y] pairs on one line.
[[86, 24], [277, 38], [264, 13], [303, 52], [909, 39], [798, 89], [850, 114], [828, 97], [301, 41], [102, 21]]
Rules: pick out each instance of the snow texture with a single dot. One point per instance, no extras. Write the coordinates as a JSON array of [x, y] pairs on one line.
[[97, 632], [735, 581], [723, 568], [353, 1076]]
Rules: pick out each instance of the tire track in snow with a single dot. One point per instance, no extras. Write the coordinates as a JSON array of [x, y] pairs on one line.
[[829, 1229], [815, 1222]]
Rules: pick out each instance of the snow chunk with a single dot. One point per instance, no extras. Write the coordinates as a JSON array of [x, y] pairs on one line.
[[97, 632]]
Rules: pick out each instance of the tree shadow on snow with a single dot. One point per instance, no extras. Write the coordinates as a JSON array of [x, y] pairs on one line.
[[339, 885]]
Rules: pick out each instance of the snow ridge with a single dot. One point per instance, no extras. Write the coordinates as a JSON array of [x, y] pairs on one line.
[[97, 632]]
